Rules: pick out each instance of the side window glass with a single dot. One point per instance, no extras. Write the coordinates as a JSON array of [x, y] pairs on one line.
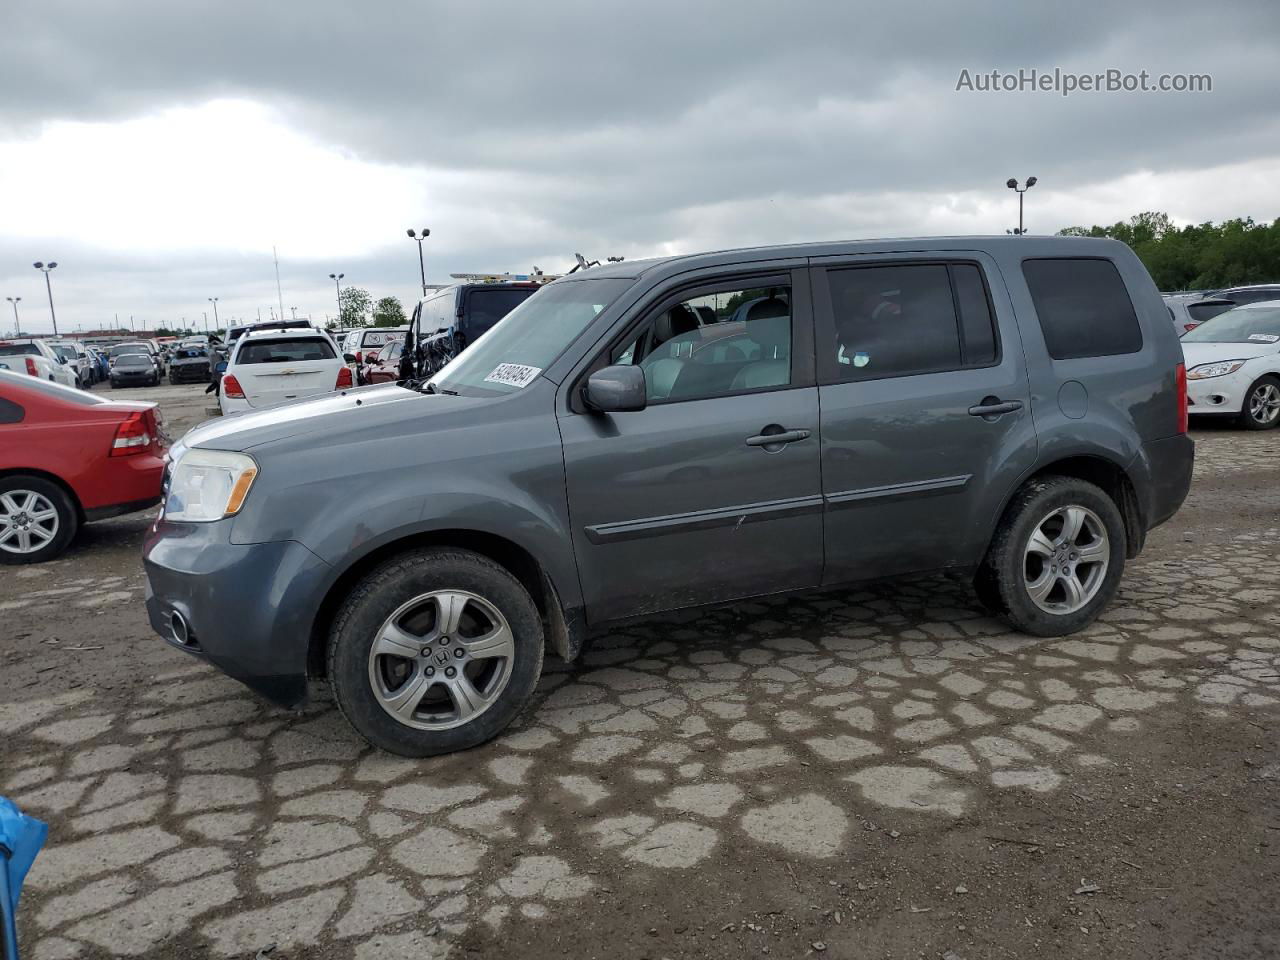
[[893, 320], [715, 344], [976, 322], [1083, 308]]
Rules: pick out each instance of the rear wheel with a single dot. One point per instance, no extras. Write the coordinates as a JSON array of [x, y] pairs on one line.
[[1262, 404], [37, 519], [435, 651], [1056, 559]]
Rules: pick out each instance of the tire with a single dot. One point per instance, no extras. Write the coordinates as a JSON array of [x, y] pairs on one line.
[[1261, 409], [1068, 601], [21, 495], [409, 592], [173, 381]]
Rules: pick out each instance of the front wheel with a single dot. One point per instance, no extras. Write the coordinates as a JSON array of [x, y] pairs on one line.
[[1262, 404], [37, 519], [1057, 557], [436, 650]]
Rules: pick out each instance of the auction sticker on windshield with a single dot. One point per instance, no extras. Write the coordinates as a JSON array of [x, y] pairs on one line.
[[1265, 337], [513, 374]]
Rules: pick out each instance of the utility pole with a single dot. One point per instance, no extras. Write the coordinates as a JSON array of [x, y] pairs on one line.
[[48, 286], [279, 295]]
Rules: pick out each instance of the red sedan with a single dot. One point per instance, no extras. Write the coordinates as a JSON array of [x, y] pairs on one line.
[[384, 366], [68, 457]]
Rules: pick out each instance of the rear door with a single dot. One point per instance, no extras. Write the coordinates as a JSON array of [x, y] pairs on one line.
[[926, 415], [279, 369]]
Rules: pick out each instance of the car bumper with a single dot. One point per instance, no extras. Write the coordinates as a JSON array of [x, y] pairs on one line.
[[119, 485], [230, 405], [1220, 395], [189, 374], [247, 608], [1170, 462]]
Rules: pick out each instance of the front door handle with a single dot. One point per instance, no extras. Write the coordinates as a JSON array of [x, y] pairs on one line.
[[992, 407], [777, 439]]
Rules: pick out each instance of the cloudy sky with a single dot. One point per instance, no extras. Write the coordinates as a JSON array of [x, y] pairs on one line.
[[158, 149]]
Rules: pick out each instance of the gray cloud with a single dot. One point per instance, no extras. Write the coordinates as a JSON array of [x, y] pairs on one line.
[[625, 127]]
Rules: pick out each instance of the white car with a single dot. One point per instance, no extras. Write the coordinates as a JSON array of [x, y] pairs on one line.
[[36, 357], [1233, 365], [77, 358], [1190, 310], [275, 366]]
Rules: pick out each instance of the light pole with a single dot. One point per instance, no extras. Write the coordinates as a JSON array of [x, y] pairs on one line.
[[294, 311], [17, 327], [1012, 184], [337, 285], [422, 269], [214, 301], [46, 267]]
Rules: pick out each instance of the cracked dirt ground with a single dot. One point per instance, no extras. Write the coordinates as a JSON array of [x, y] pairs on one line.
[[879, 772]]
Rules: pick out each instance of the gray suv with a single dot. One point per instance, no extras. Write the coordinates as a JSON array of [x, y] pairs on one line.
[[671, 433]]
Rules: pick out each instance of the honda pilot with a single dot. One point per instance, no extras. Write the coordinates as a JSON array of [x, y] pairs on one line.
[[671, 433]]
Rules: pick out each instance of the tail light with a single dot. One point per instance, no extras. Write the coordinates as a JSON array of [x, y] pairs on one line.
[[231, 387], [31, 367], [1180, 385], [134, 435], [344, 379], [1188, 327]]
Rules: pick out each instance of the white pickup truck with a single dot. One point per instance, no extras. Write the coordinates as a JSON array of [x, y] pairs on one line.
[[37, 358]]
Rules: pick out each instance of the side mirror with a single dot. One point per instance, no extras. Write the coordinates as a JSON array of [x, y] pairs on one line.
[[62, 360], [617, 389], [350, 358], [220, 367]]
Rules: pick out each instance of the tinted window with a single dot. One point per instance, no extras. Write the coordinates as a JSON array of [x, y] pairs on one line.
[[977, 326], [1253, 296], [1200, 312], [715, 344], [19, 350], [894, 320], [10, 412], [1083, 308], [293, 350], [484, 308]]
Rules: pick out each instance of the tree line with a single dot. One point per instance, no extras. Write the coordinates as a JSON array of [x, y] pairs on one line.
[[359, 309], [1202, 256]]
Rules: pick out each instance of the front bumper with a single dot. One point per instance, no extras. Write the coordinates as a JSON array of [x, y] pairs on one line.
[[1218, 395], [197, 373], [145, 376], [248, 607]]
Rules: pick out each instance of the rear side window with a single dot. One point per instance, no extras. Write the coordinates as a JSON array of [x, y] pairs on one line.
[[903, 319], [19, 350], [293, 350], [1083, 307]]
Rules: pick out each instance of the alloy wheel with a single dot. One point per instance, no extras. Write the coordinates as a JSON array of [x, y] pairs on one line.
[[28, 521], [1065, 560], [441, 659], [1264, 404]]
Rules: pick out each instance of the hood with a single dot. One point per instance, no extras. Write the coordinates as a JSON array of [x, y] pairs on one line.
[[1198, 353], [334, 414]]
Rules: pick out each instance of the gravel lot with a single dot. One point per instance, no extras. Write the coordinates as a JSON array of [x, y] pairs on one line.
[[881, 772]]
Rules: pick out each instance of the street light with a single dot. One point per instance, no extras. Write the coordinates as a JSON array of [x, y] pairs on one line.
[[421, 266], [46, 267], [1012, 184], [335, 277], [214, 301], [17, 327]]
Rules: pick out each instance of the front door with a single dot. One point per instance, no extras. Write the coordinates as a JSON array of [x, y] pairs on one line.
[[926, 413], [712, 492]]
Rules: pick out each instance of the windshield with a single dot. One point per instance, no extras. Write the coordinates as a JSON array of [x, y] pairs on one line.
[[1242, 325], [121, 348], [528, 339]]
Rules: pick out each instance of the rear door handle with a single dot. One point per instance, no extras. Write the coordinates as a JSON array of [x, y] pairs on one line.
[[995, 407], [778, 439]]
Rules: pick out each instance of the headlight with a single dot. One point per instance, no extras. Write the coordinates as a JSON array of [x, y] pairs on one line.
[[1219, 369], [208, 485]]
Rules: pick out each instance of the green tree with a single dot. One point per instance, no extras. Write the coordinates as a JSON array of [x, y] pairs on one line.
[[388, 312], [356, 306]]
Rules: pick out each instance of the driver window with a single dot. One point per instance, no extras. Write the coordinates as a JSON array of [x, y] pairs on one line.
[[715, 344]]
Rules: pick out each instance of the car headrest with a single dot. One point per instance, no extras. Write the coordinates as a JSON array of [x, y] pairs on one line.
[[679, 319]]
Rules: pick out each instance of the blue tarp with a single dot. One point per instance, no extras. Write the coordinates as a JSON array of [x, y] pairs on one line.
[[23, 836]]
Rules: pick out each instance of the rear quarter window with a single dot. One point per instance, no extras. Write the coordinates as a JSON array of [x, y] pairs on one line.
[[293, 350], [1083, 308]]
